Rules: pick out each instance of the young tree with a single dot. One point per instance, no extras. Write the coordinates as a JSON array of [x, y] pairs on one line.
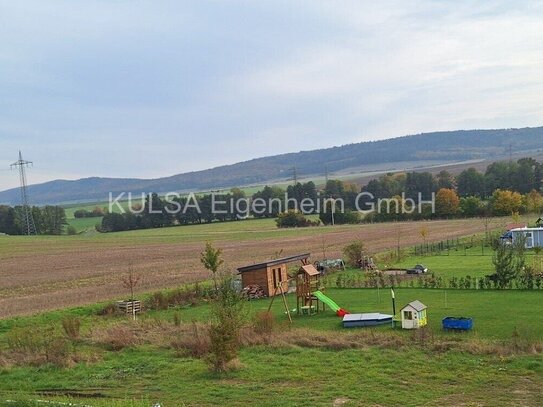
[[130, 282], [212, 260], [509, 260], [228, 315], [423, 232], [503, 260]]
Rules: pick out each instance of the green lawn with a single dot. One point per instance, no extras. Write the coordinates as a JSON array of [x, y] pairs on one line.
[[494, 315], [313, 376], [473, 262]]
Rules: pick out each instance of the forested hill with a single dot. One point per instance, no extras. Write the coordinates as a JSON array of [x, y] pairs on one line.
[[418, 150]]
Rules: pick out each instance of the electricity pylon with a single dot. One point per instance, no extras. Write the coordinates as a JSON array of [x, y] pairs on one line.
[[27, 220]]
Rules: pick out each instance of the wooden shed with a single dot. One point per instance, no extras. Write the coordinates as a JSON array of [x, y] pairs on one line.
[[270, 274], [414, 315]]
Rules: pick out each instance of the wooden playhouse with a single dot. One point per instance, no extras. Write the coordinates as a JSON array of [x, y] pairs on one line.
[[413, 315], [307, 283], [270, 274]]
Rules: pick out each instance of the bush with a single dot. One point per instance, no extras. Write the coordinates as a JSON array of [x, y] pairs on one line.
[[354, 252], [264, 323], [294, 219], [118, 337], [340, 218], [38, 346], [71, 230], [108, 310], [71, 327], [177, 298], [195, 342]]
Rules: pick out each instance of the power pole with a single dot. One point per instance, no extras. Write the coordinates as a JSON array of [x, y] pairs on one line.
[[295, 175], [27, 220]]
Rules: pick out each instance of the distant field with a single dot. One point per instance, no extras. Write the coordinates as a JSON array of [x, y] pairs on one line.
[[82, 224], [48, 272]]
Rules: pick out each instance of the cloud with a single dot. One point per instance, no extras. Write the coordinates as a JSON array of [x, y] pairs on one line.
[[144, 89]]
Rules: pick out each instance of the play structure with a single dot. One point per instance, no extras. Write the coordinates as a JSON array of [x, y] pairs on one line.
[[309, 296], [331, 304], [413, 315]]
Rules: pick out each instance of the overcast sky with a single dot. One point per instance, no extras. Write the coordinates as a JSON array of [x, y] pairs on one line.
[[153, 88]]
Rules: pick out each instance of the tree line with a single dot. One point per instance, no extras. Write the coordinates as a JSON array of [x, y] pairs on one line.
[[49, 220], [505, 188]]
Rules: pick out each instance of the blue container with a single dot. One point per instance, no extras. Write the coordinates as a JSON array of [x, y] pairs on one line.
[[458, 323]]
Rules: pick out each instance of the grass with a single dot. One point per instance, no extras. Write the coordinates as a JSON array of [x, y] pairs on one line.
[[84, 224], [303, 377], [475, 262], [459, 263], [295, 374], [298, 375]]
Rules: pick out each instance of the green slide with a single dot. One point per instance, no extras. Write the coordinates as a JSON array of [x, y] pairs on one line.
[[328, 301]]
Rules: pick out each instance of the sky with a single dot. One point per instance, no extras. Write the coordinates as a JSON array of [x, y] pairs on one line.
[[133, 88]]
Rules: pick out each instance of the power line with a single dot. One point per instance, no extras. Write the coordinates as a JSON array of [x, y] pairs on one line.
[[27, 220]]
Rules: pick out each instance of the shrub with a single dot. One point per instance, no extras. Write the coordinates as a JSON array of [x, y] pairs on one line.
[[176, 319], [118, 337], [179, 297], [71, 327], [264, 323], [71, 230], [195, 342], [294, 219], [38, 346], [109, 309], [340, 218], [354, 252]]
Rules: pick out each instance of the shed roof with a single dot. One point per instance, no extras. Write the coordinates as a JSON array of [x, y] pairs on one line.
[[419, 306], [511, 226], [309, 269], [273, 262], [538, 229]]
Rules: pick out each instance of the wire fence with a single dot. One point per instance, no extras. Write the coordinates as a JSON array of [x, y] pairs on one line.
[[473, 246]]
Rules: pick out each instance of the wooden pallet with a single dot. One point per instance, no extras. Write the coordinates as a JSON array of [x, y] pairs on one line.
[[129, 307]]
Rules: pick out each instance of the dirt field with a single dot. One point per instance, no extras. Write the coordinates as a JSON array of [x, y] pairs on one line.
[[44, 273]]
